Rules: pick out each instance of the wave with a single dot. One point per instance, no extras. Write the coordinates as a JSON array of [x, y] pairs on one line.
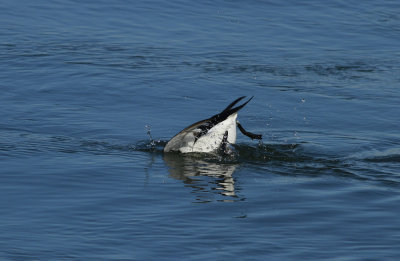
[[284, 159], [241, 152], [379, 156], [289, 159]]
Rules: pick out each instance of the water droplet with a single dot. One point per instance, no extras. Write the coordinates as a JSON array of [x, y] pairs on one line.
[[152, 142]]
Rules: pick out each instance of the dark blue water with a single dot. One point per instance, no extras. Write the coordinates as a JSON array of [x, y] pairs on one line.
[[91, 91]]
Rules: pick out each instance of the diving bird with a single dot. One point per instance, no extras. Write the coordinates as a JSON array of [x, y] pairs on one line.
[[211, 134]]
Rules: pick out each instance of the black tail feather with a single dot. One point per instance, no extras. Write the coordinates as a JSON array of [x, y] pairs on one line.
[[232, 111], [233, 103], [229, 111], [214, 120]]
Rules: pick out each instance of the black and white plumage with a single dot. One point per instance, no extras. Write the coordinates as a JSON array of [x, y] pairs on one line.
[[210, 134]]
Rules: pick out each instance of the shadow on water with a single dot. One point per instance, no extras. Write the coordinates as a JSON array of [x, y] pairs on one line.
[[204, 176], [212, 177], [214, 174]]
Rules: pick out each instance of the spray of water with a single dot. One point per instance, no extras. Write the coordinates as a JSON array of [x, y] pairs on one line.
[[152, 143]]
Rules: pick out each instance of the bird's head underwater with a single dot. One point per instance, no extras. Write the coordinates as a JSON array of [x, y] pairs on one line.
[[212, 134]]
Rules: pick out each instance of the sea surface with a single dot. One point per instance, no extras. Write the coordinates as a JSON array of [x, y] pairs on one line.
[[91, 91]]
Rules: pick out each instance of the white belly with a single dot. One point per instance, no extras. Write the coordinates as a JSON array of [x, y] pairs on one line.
[[212, 140]]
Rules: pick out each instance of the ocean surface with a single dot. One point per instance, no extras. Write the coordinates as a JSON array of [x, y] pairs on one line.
[[91, 91]]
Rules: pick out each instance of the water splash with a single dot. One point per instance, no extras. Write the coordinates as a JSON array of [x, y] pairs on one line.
[[152, 144], [152, 141]]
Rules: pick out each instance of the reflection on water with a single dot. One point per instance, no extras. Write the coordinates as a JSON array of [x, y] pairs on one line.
[[208, 178]]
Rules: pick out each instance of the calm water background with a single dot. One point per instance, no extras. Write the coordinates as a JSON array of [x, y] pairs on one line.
[[82, 82]]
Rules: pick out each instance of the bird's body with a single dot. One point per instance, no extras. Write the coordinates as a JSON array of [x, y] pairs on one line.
[[211, 134], [185, 141]]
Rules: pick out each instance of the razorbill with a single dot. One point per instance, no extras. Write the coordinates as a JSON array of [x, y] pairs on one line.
[[211, 134]]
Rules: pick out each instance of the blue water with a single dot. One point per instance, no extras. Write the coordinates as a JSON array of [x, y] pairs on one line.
[[91, 91]]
